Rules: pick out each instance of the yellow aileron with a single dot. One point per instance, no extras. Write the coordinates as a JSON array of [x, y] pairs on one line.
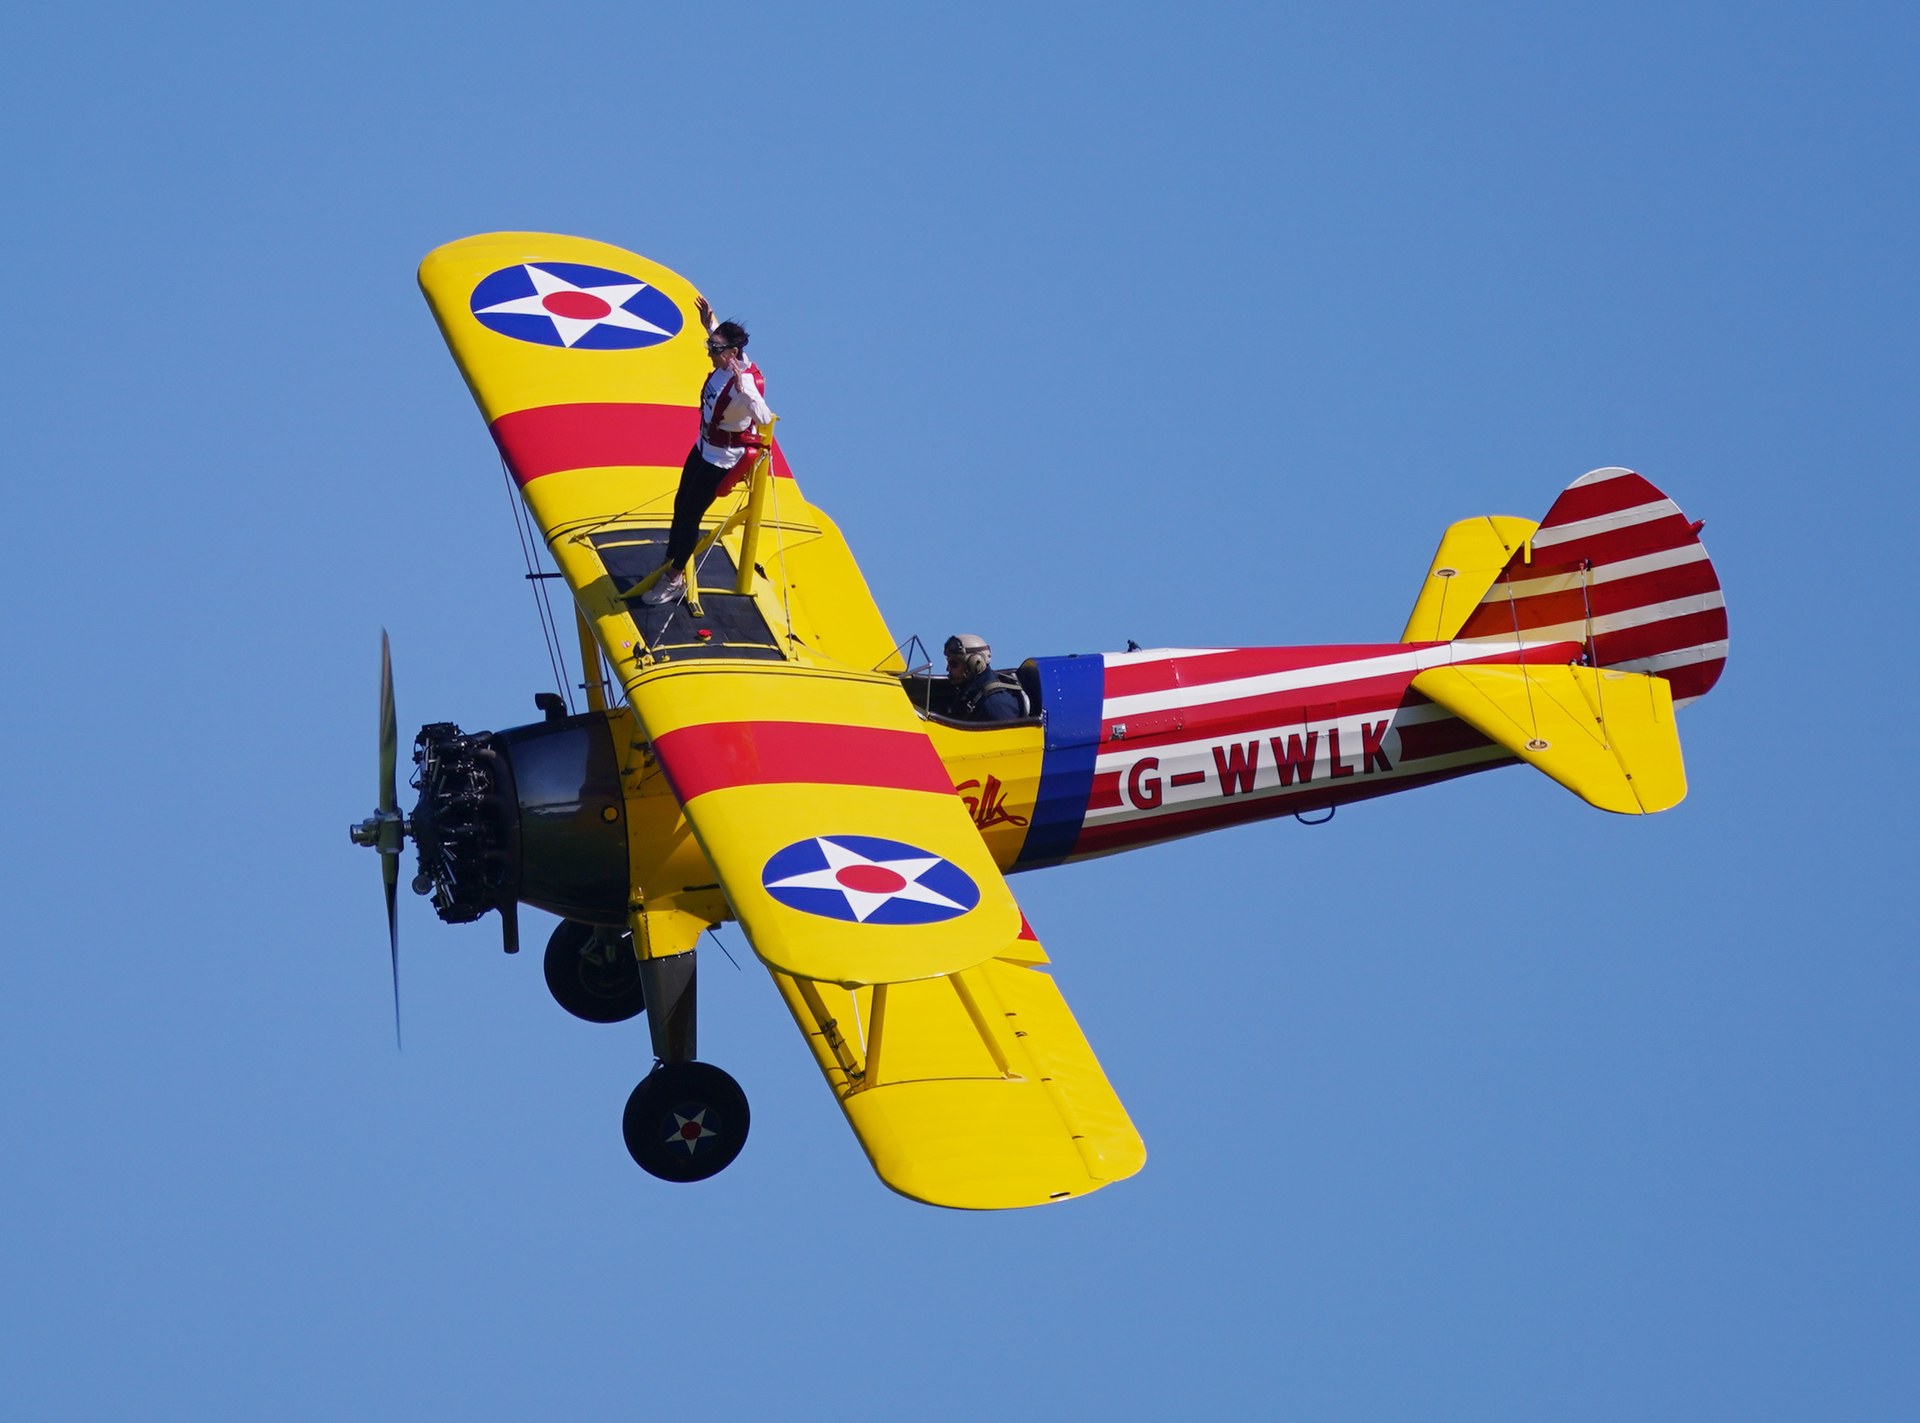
[[976, 1090]]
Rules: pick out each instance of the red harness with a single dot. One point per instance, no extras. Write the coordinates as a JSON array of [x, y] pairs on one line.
[[747, 439]]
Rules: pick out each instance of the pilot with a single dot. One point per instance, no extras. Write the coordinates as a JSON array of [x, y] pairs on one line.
[[979, 692], [732, 402]]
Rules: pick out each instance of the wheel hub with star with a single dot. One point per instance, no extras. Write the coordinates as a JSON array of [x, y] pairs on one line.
[[686, 1121]]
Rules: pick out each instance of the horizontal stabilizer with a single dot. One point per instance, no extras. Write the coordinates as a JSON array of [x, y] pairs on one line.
[[1609, 737], [976, 1090]]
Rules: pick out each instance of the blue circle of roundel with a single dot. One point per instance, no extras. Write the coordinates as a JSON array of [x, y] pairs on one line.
[[864, 879], [574, 305]]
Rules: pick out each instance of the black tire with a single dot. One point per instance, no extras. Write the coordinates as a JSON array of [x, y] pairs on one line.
[[587, 988], [686, 1121]]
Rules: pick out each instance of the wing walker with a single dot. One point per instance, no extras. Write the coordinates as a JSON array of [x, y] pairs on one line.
[[761, 751]]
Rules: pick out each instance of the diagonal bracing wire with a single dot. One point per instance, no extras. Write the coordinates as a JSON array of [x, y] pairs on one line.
[[556, 658]]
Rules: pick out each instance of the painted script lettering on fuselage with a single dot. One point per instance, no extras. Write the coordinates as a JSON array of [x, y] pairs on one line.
[[1328, 753], [987, 803]]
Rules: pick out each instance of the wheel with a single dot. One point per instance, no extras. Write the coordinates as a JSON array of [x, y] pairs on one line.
[[593, 979], [686, 1121]]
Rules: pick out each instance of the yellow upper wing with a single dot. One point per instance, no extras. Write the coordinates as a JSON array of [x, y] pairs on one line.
[[538, 321], [586, 361]]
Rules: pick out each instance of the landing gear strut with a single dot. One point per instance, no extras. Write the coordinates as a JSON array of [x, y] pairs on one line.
[[687, 1120]]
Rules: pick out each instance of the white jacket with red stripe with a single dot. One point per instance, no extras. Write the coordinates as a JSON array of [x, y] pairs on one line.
[[732, 401]]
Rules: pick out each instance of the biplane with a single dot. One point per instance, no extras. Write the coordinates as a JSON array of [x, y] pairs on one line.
[[762, 752]]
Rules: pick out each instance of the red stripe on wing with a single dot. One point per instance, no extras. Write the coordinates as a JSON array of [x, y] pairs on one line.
[[551, 438], [720, 755]]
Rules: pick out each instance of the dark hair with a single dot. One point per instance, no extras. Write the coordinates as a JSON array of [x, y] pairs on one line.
[[729, 333]]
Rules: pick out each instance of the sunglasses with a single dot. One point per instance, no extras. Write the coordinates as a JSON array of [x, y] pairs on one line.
[[713, 350]]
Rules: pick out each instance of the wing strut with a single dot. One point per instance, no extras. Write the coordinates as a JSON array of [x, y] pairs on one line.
[[990, 1096]]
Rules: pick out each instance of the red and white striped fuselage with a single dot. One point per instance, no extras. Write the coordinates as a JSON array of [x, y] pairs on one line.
[[1195, 740], [1147, 746]]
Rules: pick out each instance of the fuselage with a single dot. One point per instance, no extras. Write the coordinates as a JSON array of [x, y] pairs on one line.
[[1125, 750], [1137, 748]]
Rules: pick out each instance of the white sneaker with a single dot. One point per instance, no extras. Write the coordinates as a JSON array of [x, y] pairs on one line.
[[669, 589]]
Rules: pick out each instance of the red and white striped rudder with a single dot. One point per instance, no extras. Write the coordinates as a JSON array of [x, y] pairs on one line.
[[1614, 565]]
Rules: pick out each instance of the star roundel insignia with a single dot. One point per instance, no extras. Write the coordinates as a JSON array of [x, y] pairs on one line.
[[574, 305], [687, 1126], [867, 880]]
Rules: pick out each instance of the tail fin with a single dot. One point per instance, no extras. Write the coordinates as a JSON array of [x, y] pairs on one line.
[[1471, 555], [1615, 565]]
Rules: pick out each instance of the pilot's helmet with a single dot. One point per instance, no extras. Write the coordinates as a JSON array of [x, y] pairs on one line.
[[969, 654]]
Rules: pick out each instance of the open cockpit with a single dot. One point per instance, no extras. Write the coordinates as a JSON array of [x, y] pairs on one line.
[[936, 699]]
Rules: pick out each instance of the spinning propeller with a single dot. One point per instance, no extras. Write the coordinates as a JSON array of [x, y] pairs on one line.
[[386, 829]]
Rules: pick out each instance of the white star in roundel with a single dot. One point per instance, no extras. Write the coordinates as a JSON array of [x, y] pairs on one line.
[[867, 883], [689, 1131], [574, 310]]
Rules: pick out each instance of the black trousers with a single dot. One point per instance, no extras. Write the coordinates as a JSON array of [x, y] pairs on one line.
[[698, 482]]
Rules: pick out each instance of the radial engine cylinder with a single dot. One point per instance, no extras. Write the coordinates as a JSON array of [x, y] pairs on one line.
[[534, 813]]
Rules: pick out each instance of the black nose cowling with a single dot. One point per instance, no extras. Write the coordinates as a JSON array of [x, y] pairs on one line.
[[533, 814]]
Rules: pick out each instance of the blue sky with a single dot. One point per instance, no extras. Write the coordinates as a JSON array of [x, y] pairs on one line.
[[1189, 325]]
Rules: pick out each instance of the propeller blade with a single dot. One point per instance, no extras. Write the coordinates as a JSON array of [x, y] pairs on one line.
[[391, 864], [390, 839], [389, 736]]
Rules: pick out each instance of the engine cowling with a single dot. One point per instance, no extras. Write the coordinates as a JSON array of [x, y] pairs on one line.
[[533, 814]]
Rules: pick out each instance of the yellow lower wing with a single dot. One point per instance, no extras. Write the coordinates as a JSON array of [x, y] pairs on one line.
[[976, 1090], [829, 820], [1609, 737], [861, 882]]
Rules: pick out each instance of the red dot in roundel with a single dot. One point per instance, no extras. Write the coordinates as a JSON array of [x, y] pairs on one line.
[[581, 306], [871, 879]]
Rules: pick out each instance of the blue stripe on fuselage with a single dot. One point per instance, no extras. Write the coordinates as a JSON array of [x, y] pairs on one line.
[[1072, 692]]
